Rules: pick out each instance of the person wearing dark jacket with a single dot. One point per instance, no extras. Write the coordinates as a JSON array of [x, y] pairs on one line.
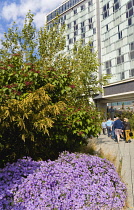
[[118, 126], [127, 129]]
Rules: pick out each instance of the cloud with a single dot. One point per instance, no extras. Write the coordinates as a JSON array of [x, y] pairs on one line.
[[13, 11]]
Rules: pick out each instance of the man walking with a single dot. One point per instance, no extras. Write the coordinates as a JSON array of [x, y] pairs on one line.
[[118, 126]]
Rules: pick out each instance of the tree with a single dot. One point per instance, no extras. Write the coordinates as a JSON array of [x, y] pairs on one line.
[[45, 93]]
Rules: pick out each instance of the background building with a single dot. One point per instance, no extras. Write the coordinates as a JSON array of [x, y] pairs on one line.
[[109, 25]]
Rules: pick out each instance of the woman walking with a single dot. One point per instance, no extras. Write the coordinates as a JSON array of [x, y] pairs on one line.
[[127, 129]]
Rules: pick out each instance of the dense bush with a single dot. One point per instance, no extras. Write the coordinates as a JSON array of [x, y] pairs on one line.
[[73, 181], [45, 93]]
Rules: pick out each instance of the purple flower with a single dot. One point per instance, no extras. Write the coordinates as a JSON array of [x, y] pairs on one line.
[[73, 181]]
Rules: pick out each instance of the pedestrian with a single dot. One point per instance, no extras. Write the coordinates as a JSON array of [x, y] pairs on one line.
[[127, 129], [104, 127], [118, 126], [109, 127], [113, 130]]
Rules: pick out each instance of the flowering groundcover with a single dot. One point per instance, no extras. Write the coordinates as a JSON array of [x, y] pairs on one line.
[[74, 181]]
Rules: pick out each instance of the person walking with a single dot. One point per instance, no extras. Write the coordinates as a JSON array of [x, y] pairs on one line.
[[113, 136], [104, 127], [109, 127], [118, 126], [127, 129]]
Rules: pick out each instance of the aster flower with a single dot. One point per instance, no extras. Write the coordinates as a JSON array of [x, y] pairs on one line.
[[73, 181]]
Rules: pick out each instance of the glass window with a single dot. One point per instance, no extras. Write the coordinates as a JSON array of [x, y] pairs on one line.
[[122, 75], [130, 21], [131, 73], [94, 30], [69, 25], [129, 5], [108, 71], [90, 3], [104, 8], [75, 11], [70, 41], [120, 35], [90, 20], [119, 51], [83, 35], [82, 7], [131, 46], [132, 55], [118, 60], [122, 58], [82, 24], [83, 30], [90, 26], [116, 6], [75, 22], [131, 12], [76, 33], [76, 27]]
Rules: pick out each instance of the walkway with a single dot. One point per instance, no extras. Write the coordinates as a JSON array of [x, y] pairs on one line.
[[125, 152]]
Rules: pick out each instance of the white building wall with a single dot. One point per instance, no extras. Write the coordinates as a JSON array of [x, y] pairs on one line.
[[114, 37]]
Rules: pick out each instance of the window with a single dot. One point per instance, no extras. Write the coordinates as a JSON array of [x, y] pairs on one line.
[[120, 59], [107, 27], [105, 10], [131, 49], [76, 27], [82, 7], [108, 71], [82, 24], [116, 5], [68, 36], [132, 55], [94, 30], [120, 35], [75, 11], [130, 11], [130, 21], [122, 75], [67, 47], [70, 41], [69, 25], [119, 51], [75, 22], [131, 46], [83, 30], [90, 23], [108, 65], [131, 73], [76, 33], [83, 35], [90, 3]]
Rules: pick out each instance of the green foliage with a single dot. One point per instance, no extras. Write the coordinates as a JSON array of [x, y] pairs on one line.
[[45, 93]]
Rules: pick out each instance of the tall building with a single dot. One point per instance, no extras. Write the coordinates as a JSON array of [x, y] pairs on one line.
[[109, 25]]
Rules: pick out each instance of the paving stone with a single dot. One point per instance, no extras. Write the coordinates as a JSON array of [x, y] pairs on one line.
[[125, 152]]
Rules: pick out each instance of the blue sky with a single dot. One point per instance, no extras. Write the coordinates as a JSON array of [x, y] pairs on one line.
[[16, 10]]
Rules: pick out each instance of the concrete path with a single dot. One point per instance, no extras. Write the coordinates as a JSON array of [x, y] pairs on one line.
[[124, 153]]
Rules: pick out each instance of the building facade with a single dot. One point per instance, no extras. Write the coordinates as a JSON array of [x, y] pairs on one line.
[[109, 26]]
